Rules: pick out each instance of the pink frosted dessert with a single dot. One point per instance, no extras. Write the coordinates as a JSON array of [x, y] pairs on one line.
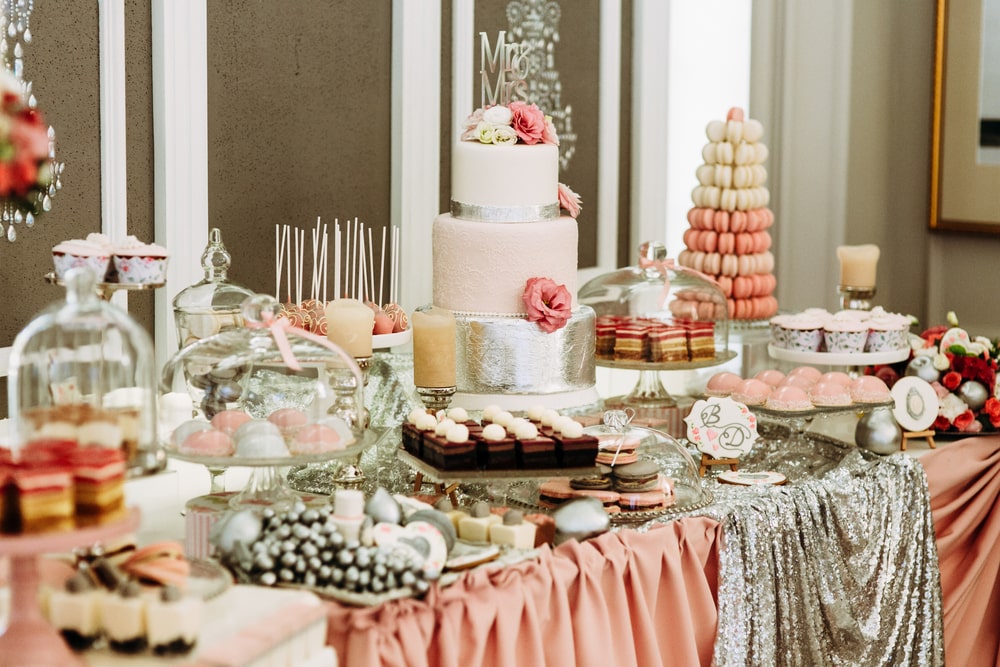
[[228, 421], [809, 372], [288, 420], [316, 439], [830, 393], [771, 376], [839, 377], [789, 398], [803, 382], [207, 443], [751, 392], [140, 263], [93, 252], [722, 384], [869, 389]]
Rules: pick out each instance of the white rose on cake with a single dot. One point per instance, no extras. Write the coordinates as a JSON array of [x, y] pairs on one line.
[[485, 132], [498, 115], [504, 135]]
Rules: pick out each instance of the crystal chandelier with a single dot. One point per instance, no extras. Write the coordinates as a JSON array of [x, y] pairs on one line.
[[15, 33]]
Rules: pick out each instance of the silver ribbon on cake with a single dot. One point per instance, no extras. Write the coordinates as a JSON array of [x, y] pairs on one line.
[[479, 213]]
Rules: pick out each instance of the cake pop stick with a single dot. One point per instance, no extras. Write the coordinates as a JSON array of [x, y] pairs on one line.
[[381, 274]]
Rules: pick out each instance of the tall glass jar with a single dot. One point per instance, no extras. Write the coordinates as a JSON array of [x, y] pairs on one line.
[[212, 305], [83, 371]]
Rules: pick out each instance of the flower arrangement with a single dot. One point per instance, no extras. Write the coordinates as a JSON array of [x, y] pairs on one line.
[[510, 124], [569, 201], [547, 303], [25, 169], [963, 372]]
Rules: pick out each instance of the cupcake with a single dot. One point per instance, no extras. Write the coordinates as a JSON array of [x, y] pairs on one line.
[[779, 332], [845, 335], [136, 262], [804, 333], [93, 253], [887, 332]]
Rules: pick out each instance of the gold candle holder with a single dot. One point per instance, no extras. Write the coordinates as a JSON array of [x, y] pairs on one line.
[[436, 398], [856, 298]]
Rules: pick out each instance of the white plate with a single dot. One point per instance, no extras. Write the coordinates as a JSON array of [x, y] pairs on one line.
[[916, 403], [744, 478], [838, 358], [385, 341]]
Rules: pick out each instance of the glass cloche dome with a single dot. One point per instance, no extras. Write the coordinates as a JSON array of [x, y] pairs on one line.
[[659, 292], [213, 304], [260, 393], [83, 372]]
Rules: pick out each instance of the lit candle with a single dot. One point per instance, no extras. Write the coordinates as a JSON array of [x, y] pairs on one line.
[[433, 347], [349, 324], [858, 264]]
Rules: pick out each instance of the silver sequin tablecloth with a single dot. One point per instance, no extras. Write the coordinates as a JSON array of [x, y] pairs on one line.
[[837, 567]]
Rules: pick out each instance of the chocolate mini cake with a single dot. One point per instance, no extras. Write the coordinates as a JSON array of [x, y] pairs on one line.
[[453, 451], [495, 448]]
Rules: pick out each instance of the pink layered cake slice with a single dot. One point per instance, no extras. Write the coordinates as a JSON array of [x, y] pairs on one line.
[[606, 334], [632, 342], [701, 340], [667, 343], [45, 497], [98, 483]]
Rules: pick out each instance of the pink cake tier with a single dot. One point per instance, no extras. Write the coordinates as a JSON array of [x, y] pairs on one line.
[[729, 239]]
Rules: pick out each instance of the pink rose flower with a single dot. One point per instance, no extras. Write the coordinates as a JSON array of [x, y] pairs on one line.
[[548, 304], [549, 135], [474, 118], [528, 121], [31, 139], [569, 201]]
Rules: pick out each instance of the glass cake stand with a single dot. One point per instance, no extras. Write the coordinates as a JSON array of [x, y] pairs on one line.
[[29, 639], [649, 391]]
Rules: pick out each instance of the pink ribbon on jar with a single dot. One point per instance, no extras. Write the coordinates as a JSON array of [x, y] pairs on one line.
[[664, 266], [279, 327]]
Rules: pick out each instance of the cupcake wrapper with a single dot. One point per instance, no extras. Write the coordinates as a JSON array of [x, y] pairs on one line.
[[805, 340], [884, 341], [779, 336], [141, 270], [97, 263], [845, 341]]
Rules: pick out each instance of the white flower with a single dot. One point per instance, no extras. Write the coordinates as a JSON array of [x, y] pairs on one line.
[[10, 83], [498, 115], [952, 318], [951, 407], [985, 342], [485, 132], [504, 135], [941, 362]]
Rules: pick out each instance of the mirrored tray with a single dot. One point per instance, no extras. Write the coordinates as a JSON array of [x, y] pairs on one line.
[[369, 437], [818, 410], [472, 476]]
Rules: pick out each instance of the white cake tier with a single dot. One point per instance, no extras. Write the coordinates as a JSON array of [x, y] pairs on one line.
[[486, 179], [515, 364], [482, 267]]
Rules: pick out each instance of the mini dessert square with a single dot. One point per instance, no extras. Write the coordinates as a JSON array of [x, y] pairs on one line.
[[98, 483], [606, 326], [668, 343], [537, 453], [45, 498], [632, 342], [701, 340], [496, 449], [576, 448], [453, 451]]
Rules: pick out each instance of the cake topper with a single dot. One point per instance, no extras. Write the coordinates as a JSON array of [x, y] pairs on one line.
[[504, 70]]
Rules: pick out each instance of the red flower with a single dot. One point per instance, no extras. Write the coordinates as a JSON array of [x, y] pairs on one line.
[[992, 410], [934, 335], [963, 421], [951, 380], [941, 423], [548, 304], [975, 368]]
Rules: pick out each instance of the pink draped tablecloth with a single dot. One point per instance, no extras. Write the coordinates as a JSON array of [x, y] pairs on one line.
[[624, 599], [964, 483], [638, 599]]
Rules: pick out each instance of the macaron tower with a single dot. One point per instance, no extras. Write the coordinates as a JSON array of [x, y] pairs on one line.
[[729, 239]]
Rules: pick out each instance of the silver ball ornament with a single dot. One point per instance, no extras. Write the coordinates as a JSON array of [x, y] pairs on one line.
[[973, 393], [923, 368], [878, 432]]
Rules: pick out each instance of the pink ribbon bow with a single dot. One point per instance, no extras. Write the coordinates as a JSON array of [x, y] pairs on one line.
[[279, 327], [664, 266]]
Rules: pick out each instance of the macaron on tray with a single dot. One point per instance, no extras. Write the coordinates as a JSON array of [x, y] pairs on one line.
[[364, 552], [803, 391]]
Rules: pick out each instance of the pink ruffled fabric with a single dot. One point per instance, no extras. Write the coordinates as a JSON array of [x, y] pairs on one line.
[[599, 603], [964, 483]]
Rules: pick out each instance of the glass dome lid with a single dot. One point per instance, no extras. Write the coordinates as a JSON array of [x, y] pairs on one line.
[[250, 380], [82, 373], [213, 304], [666, 299]]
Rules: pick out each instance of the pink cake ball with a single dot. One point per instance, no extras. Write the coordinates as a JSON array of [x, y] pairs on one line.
[[288, 419], [316, 439], [869, 389], [800, 381], [181, 433], [771, 376], [810, 372], [207, 443], [751, 392], [830, 392], [789, 397], [228, 421], [722, 384], [839, 377]]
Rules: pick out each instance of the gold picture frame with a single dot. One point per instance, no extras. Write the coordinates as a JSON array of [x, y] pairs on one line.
[[964, 192]]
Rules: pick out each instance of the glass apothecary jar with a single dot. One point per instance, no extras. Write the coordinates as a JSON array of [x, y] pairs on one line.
[[83, 371], [261, 393], [214, 304]]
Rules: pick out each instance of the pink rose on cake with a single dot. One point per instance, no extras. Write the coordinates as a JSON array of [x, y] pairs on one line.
[[548, 304], [569, 201], [528, 121], [517, 121]]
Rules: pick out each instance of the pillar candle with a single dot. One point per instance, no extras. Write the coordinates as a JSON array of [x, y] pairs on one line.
[[433, 347], [349, 324], [858, 264]]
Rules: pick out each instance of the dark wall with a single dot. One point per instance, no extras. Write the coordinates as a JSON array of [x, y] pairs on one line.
[[299, 99]]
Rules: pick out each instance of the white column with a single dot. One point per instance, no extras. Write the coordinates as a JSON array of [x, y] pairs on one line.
[[416, 122], [180, 145], [608, 135]]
